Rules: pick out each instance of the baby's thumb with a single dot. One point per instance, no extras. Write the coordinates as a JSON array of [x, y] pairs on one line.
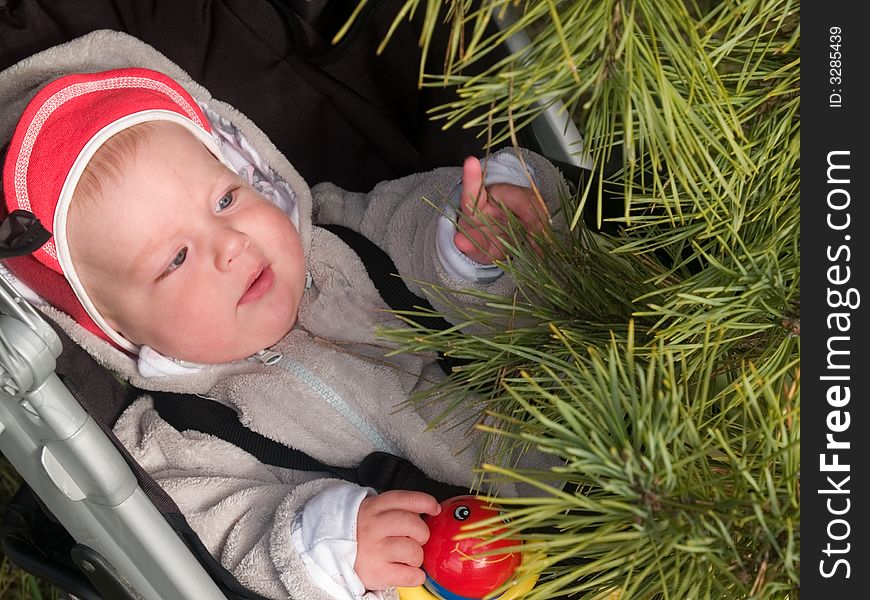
[[472, 185]]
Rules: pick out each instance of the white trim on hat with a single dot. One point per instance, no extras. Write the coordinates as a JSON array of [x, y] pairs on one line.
[[72, 179]]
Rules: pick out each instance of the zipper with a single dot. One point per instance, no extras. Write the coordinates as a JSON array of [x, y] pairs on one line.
[[267, 357], [272, 359], [276, 359]]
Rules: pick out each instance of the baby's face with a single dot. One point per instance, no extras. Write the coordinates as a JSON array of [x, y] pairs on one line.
[[181, 255]]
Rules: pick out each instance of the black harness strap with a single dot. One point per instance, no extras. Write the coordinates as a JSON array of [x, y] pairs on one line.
[[379, 470], [383, 272], [187, 412]]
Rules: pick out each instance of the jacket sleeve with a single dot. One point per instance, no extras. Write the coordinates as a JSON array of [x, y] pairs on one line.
[[250, 515], [406, 217]]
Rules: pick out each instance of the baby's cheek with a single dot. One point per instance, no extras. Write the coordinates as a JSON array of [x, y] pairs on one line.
[[199, 349], [187, 334]]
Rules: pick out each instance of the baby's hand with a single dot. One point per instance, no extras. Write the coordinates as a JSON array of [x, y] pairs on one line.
[[482, 220], [390, 537]]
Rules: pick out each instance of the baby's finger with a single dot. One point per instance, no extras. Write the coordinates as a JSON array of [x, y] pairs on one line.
[[402, 523], [405, 576], [529, 214], [463, 243], [475, 246], [388, 574], [415, 502], [472, 185], [523, 203], [403, 550]]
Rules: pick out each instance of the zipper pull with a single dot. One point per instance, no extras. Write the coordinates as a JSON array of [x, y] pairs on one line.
[[267, 357]]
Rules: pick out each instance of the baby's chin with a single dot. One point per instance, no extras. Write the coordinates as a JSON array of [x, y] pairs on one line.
[[209, 352]]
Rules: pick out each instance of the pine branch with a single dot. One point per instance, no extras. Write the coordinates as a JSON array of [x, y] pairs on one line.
[[658, 367]]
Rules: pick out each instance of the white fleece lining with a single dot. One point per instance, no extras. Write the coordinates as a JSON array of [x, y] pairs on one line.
[[72, 180]]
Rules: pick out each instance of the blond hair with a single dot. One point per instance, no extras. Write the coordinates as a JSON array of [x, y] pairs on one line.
[[108, 162], [107, 165]]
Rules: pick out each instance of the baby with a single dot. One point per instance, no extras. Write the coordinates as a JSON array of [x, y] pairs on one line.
[[184, 249]]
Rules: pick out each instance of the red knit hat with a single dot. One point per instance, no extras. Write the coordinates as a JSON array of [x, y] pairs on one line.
[[57, 135]]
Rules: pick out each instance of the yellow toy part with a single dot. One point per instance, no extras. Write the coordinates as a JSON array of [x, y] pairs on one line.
[[516, 591]]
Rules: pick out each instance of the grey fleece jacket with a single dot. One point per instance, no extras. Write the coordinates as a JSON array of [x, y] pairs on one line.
[[334, 395]]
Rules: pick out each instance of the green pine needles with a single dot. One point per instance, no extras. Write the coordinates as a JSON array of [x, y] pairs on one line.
[[659, 366]]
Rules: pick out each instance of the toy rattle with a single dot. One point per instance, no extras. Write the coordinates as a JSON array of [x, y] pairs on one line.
[[454, 568]]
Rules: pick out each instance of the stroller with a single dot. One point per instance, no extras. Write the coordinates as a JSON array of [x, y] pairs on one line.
[[90, 520]]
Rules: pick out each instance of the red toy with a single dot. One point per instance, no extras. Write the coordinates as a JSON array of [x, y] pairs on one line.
[[448, 561]]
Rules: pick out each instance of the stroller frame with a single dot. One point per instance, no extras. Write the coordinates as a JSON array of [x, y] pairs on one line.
[[124, 542]]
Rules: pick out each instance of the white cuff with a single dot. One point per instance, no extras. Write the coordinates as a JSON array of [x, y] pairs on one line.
[[503, 167], [324, 535]]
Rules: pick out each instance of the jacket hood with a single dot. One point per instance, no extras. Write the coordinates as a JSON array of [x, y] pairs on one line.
[[103, 50]]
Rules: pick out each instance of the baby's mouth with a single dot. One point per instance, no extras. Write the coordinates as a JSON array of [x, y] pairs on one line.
[[259, 283]]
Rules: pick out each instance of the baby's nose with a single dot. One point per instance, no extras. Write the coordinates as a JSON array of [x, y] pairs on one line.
[[230, 243]]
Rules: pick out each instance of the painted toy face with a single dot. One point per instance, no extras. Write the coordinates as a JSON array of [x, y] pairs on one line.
[[451, 564]]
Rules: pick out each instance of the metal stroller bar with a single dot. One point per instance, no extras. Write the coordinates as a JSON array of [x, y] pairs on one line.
[[75, 470], [555, 133]]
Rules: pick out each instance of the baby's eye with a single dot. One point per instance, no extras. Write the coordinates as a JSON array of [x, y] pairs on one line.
[[176, 262], [225, 202]]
